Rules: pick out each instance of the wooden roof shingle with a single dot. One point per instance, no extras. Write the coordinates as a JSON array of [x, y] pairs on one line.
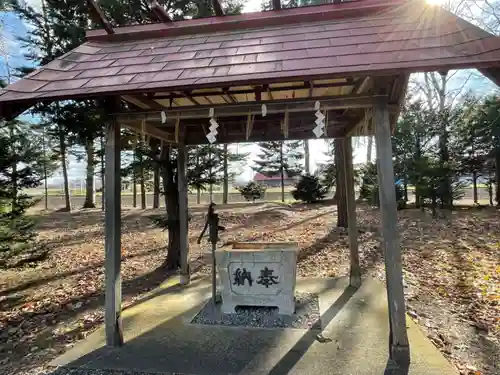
[[382, 37]]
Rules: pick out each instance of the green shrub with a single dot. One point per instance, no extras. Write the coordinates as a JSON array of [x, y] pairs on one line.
[[252, 191], [309, 189]]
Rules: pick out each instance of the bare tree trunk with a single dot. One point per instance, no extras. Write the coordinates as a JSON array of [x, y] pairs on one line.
[[307, 157], [341, 190], [156, 186], [134, 181], [369, 149], [474, 186], [405, 187], [225, 187], [490, 190], [172, 206], [418, 155], [497, 177], [45, 182], [198, 191], [14, 171], [62, 149], [142, 182], [282, 172], [45, 187], [102, 171], [89, 193], [447, 198]]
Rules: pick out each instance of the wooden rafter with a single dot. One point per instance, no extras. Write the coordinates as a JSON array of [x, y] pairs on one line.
[[150, 130], [143, 102], [276, 4], [217, 8], [265, 88], [188, 96], [99, 17], [159, 11], [232, 99]]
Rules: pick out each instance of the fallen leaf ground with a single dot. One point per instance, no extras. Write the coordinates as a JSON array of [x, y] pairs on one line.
[[452, 274]]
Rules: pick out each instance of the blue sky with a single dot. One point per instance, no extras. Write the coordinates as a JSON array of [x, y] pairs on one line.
[[13, 27]]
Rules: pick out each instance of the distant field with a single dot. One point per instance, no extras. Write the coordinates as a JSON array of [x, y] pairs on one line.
[[81, 193]]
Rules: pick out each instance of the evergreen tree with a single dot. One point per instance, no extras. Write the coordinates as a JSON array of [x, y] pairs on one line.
[[60, 27], [279, 158], [487, 116], [253, 191], [20, 169], [309, 189]]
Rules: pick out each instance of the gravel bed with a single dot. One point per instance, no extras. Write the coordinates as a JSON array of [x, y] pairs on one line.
[[307, 315]]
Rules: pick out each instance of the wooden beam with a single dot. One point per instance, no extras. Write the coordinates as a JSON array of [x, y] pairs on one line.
[[159, 12], [217, 8], [149, 130], [182, 187], [273, 106], [99, 17], [276, 4], [399, 349], [143, 102], [355, 269], [112, 232]]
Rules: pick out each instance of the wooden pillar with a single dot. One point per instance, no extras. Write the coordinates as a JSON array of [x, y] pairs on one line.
[[355, 270], [112, 234], [340, 193], [398, 340], [183, 213]]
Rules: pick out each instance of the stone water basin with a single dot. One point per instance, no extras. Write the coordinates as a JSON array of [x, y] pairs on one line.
[[258, 274]]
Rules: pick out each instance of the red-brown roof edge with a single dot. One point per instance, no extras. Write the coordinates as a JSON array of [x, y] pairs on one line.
[[324, 12]]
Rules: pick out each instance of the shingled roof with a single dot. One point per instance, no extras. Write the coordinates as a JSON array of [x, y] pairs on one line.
[[335, 40]]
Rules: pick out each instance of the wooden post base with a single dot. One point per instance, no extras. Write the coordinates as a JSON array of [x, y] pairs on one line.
[[400, 354]]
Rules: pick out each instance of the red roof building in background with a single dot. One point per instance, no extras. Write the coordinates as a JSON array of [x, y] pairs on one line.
[[274, 181]]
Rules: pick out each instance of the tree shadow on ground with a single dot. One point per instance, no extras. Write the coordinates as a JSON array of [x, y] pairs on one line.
[[293, 356], [62, 221], [273, 221], [43, 280], [333, 236], [78, 307]]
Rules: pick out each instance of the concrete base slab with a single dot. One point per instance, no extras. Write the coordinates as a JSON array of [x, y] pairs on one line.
[[159, 338]]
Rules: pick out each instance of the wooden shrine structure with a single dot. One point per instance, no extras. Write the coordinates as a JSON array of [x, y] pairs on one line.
[[260, 77]]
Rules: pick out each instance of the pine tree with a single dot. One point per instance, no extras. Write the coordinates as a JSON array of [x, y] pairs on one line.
[[280, 158], [20, 169], [309, 189], [487, 121]]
